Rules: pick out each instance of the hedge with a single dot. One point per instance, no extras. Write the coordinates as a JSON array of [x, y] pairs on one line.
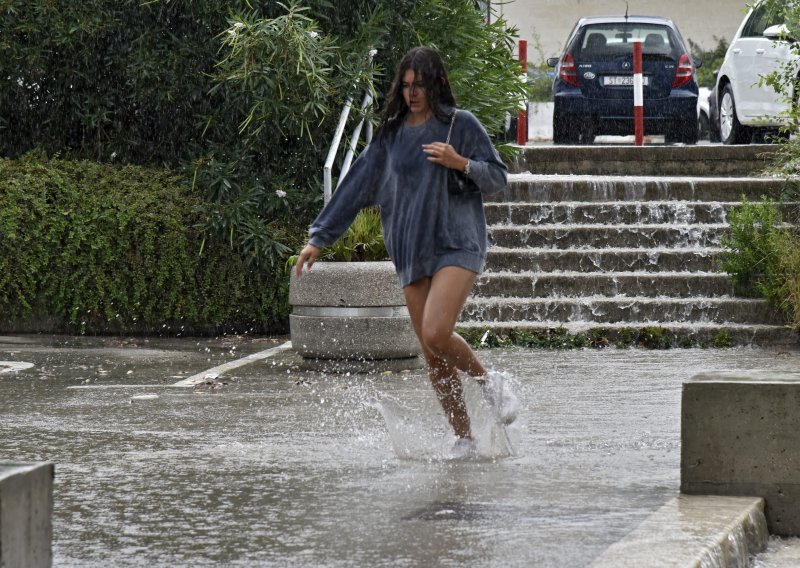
[[91, 248]]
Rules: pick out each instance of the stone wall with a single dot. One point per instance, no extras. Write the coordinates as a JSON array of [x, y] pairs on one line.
[[548, 22]]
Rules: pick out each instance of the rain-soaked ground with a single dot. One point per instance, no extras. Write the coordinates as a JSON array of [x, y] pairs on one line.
[[282, 467]]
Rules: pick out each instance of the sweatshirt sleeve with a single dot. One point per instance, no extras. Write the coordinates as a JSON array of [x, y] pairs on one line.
[[487, 170], [357, 191]]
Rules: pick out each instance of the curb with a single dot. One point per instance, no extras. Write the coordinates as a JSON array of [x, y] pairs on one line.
[[693, 531]]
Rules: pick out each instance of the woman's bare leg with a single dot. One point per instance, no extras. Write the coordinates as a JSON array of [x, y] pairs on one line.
[[434, 305]]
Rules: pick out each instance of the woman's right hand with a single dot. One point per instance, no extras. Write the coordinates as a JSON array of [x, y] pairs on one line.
[[308, 254]]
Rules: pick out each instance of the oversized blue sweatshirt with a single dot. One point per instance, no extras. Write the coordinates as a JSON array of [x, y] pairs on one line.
[[424, 227]]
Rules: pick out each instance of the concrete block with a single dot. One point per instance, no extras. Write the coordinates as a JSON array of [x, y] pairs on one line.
[[740, 435], [26, 510]]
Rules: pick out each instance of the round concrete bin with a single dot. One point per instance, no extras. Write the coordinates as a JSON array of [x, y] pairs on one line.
[[352, 317]]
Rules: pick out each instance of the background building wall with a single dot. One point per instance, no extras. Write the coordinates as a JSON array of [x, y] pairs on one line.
[[546, 23]]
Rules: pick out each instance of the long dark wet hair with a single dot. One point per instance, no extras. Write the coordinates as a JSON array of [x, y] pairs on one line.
[[430, 70]]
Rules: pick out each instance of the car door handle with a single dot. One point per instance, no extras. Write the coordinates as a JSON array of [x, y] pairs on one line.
[[759, 51]]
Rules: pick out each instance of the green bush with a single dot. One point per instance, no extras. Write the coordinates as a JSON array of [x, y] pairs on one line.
[[362, 242], [650, 337], [90, 248], [654, 337], [751, 247], [762, 255]]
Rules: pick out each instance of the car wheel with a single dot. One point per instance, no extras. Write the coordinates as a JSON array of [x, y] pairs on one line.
[[688, 133], [713, 132], [731, 130], [587, 133], [703, 127], [565, 131], [682, 132]]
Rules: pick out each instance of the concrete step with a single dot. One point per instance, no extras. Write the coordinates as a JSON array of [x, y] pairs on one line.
[[681, 333], [603, 309], [729, 161], [591, 237], [699, 259], [611, 212], [597, 236], [575, 284], [587, 188]]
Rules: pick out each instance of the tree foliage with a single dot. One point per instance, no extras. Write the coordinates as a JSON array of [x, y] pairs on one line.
[[244, 94], [285, 80], [712, 59], [486, 78]]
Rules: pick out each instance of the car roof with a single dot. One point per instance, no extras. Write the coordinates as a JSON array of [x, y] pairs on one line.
[[621, 19]]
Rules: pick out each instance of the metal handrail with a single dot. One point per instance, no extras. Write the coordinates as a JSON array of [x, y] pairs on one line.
[[337, 139]]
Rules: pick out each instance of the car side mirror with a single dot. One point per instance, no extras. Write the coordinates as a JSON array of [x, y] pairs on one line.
[[698, 63], [552, 61], [779, 33]]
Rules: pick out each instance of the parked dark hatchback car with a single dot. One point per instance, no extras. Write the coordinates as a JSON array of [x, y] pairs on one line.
[[593, 87]]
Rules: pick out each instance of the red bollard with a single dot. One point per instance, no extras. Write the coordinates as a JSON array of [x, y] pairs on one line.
[[522, 115], [638, 97]]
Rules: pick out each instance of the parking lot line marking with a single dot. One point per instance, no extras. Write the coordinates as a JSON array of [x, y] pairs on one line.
[[104, 387], [12, 366], [215, 372]]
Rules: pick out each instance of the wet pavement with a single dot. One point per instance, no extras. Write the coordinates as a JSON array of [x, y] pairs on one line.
[[285, 467]]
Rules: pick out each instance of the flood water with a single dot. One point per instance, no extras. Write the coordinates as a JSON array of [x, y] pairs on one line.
[[282, 467]]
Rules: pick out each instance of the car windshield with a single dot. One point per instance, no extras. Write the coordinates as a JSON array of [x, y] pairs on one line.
[[610, 40]]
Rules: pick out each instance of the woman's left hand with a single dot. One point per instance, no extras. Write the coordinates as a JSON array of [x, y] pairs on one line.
[[444, 155]]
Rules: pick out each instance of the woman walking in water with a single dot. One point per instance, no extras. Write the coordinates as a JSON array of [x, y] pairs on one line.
[[436, 237]]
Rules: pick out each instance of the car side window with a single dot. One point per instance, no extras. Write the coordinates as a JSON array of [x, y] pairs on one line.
[[760, 20]]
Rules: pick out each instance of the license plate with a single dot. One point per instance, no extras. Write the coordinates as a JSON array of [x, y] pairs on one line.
[[623, 80]]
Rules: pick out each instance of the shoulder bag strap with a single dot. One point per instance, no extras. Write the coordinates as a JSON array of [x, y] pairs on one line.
[[452, 122]]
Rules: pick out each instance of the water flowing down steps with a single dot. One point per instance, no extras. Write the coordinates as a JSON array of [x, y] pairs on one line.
[[612, 241]]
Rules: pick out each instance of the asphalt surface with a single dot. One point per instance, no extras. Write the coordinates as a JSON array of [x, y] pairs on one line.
[[270, 465]]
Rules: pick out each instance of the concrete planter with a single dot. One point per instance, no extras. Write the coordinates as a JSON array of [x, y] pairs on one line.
[[352, 316]]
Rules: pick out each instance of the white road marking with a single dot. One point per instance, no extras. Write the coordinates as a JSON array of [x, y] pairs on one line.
[[215, 372], [12, 366], [143, 397], [207, 375], [102, 387]]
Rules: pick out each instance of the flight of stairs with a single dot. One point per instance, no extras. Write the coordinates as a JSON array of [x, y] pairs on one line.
[[610, 242]]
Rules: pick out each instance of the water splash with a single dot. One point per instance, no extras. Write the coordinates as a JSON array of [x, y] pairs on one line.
[[421, 432]]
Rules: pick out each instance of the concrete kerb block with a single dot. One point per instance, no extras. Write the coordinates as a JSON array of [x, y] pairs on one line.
[[740, 435], [26, 511], [696, 531]]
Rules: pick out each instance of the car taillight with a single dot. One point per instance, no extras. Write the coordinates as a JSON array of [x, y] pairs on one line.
[[683, 73], [568, 71]]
